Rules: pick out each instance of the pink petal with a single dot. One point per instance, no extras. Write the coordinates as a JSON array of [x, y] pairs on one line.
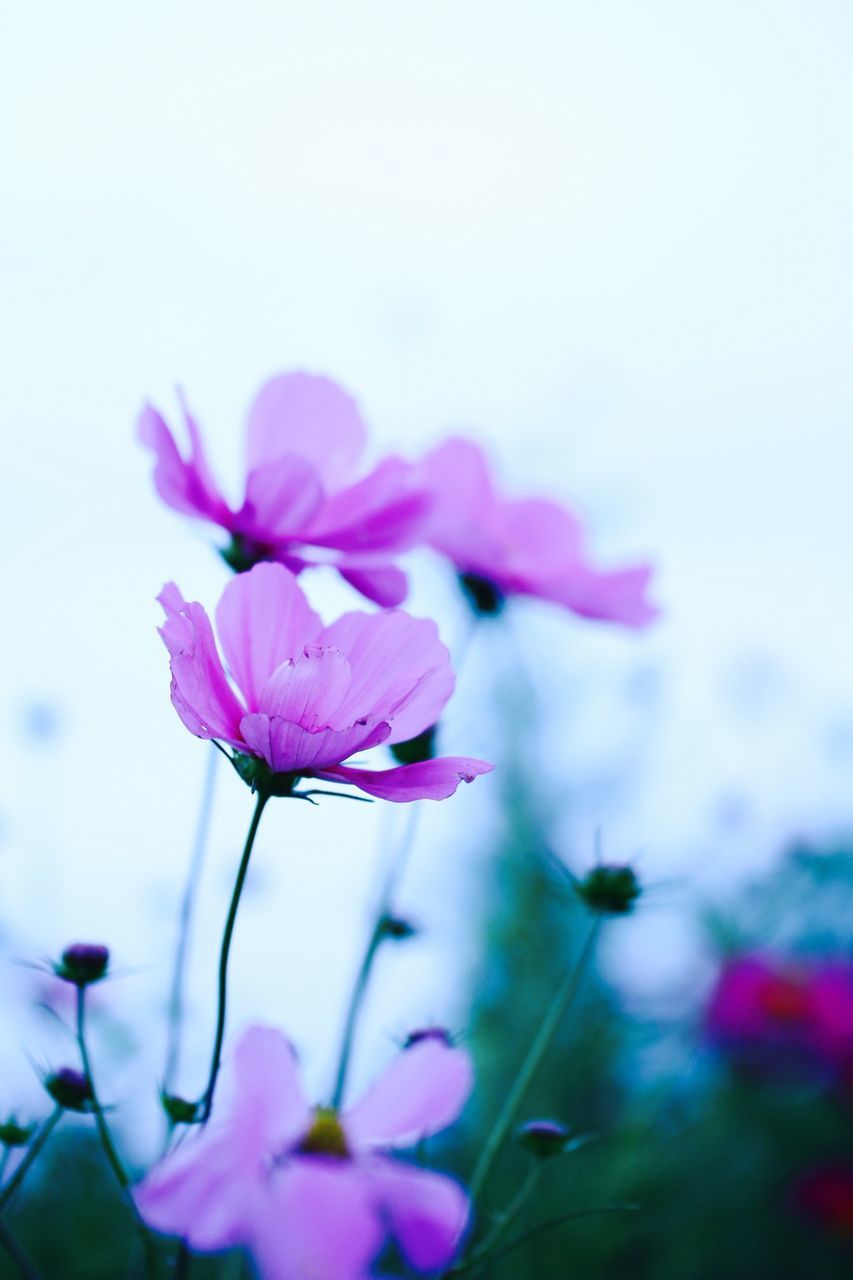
[[309, 690], [429, 780], [202, 1192], [542, 539], [619, 596], [307, 415], [263, 619], [383, 583], [400, 669], [288, 748], [261, 1094], [317, 1219], [281, 498], [465, 506], [201, 693], [427, 1212], [384, 511], [421, 1092], [184, 485]]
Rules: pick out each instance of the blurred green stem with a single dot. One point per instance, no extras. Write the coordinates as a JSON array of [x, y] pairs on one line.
[[502, 1223], [16, 1253], [542, 1042], [216, 1059], [30, 1157]]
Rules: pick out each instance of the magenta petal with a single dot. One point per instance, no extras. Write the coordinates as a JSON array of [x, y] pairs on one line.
[[427, 1212], [620, 596], [263, 619], [288, 748], [201, 693], [419, 1093], [261, 1094], [465, 505], [309, 690], [401, 670], [185, 485], [281, 497], [386, 510], [383, 583], [429, 780], [317, 1219], [307, 415], [202, 1192]]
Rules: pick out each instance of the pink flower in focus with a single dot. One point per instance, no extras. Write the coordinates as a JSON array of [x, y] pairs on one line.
[[308, 697], [304, 504], [307, 1191], [532, 547], [777, 1016]]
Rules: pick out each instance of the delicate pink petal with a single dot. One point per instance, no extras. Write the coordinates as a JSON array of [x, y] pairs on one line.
[[309, 690], [385, 584], [263, 619], [202, 1193], [421, 1092], [201, 693], [301, 413], [198, 458], [386, 510], [288, 748], [317, 1220], [281, 498], [465, 507], [261, 1094], [186, 486], [401, 670], [427, 1212], [541, 539], [620, 596], [429, 780]]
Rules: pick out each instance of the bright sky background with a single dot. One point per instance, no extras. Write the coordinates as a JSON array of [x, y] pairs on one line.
[[613, 239]]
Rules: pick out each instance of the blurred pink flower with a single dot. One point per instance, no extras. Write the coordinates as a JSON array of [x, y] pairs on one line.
[[783, 1016], [533, 547], [311, 696], [303, 504], [826, 1195], [308, 1191]]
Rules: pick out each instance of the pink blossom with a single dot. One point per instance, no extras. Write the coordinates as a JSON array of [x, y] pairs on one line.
[[308, 697], [304, 503], [532, 547], [309, 1191], [784, 1016]]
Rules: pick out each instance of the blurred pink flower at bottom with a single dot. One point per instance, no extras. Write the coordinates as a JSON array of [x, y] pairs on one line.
[[309, 1191]]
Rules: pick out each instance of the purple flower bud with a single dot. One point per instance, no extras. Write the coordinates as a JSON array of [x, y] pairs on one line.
[[428, 1033], [83, 963], [543, 1138], [70, 1089]]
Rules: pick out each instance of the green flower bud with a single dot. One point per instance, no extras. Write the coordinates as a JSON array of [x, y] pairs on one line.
[[83, 963], [543, 1138], [13, 1134], [70, 1089], [179, 1110], [482, 595], [609, 890], [396, 929]]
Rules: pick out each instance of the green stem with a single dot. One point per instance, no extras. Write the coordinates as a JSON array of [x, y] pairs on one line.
[[502, 1223], [176, 994], [16, 1253], [541, 1043], [30, 1157], [216, 1058]]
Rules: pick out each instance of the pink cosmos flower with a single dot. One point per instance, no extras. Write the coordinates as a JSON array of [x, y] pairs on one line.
[[532, 547], [304, 503], [785, 1016], [310, 1192], [307, 696]]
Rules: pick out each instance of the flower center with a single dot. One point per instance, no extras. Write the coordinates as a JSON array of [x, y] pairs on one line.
[[325, 1136]]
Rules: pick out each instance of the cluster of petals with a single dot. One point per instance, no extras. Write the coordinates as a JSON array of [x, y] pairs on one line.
[[530, 547], [306, 697], [304, 502], [785, 1016], [308, 1192]]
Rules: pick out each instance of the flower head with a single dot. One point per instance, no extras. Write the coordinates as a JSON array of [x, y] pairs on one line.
[[304, 502], [533, 547], [309, 1191], [307, 696], [83, 963]]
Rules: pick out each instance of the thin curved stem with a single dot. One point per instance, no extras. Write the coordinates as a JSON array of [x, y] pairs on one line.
[[502, 1223], [377, 936], [29, 1159], [541, 1043], [17, 1253], [176, 993], [216, 1058]]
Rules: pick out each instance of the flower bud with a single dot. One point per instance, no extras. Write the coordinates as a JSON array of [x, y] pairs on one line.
[[427, 1033], [259, 777], [396, 928], [83, 963], [415, 750], [180, 1110], [482, 595], [70, 1089], [543, 1138], [13, 1134], [610, 890]]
